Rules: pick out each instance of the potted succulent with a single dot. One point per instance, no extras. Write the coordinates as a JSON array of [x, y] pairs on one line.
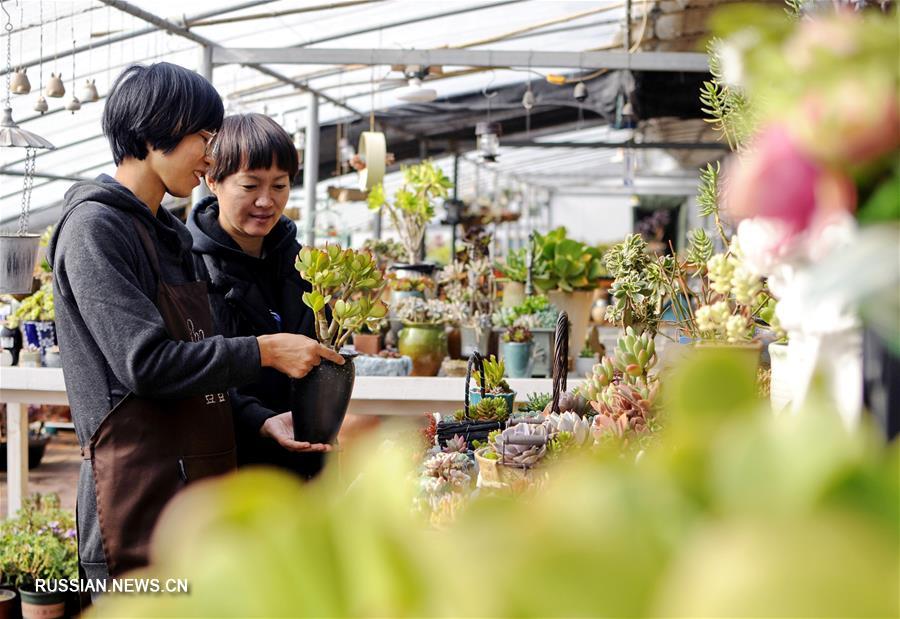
[[412, 209], [423, 337], [584, 364], [39, 543], [568, 272], [511, 453], [350, 284], [514, 272], [402, 287], [538, 315], [367, 340], [518, 352], [36, 315], [492, 383]]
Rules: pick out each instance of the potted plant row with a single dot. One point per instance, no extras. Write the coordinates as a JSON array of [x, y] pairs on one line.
[[423, 337]]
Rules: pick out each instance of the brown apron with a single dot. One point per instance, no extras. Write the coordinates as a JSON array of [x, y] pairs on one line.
[[146, 450]]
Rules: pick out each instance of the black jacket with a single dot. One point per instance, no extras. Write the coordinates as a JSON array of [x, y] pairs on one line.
[[112, 338], [248, 296]]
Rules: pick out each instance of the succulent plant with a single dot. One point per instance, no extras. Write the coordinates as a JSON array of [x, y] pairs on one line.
[[456, 444], [414, 310], [564, 264], [536, 402], [511, 451], [570, 422], [700, 249], [635, 354], [411, 284], [517, 334], [568, 401], [493, 376], [37, 306], [514, 267], [624, 408], [487, 409], [350, 277], [413, 205], [637, 290]]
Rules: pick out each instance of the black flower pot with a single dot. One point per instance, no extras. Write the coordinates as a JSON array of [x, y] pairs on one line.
[[320, 399]]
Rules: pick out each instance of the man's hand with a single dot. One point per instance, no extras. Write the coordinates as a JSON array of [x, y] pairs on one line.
[[280, 428], [294, 355]]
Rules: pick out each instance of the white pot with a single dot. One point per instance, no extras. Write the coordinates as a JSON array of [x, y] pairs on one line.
[[780, 386], [577, 305], [585, 365]]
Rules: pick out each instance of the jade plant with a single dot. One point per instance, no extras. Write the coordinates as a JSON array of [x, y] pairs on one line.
[[564, 264], [493, 380], [352, 280], [413, 204], [517, 335]]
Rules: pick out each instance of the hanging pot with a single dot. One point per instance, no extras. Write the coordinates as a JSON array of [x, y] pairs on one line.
[[426, 345], [88, 92], [320, 399], [19, 84], [41, 104], [74, 104], [18, 255], [55, 87]]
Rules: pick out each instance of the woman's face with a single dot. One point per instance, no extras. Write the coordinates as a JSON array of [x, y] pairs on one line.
[[251, 201], [181, 170]]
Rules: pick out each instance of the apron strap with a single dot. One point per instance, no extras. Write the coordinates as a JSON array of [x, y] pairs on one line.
[[149, 246]]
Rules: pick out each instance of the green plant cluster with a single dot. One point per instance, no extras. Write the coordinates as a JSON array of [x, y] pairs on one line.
[[636, 293], [517, 334], [514, 267], [536, 403], [635, 356], [412, 284], [39, 542], [413, 205], [353, 280], [535, 312], [493, 376], [487, 409], [561, 263], [37, 306]]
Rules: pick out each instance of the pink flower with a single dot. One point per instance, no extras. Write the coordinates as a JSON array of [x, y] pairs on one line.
[[775, 179]]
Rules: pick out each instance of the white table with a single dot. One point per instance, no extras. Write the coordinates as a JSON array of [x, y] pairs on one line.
[[372, 395]]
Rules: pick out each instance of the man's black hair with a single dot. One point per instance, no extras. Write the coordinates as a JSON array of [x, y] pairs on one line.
[[157, 105], [253, 141]]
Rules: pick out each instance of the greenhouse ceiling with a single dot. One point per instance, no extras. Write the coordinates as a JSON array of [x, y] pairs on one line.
[[286, 47]]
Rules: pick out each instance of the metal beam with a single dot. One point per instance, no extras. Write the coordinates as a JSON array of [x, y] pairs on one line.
[[311, 167], [639, 61], [173, 28], [63, 53], [470, 145], [54, 177]]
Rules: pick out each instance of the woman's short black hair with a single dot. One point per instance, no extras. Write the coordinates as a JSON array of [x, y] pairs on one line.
[[252, 141], [157, 105]]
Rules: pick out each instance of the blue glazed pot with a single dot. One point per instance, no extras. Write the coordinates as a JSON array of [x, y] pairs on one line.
[[475, 398], [518, 358]]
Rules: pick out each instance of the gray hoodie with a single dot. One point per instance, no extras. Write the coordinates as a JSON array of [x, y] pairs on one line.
[[112, 338]]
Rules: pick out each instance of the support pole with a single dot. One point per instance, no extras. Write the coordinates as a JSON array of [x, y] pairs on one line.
[[16, 455], [311, 166], [204, 69]]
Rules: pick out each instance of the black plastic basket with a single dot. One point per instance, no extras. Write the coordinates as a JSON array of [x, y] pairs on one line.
[[469, 429]]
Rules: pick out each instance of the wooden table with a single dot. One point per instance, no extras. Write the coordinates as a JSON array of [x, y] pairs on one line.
[[372, 395]]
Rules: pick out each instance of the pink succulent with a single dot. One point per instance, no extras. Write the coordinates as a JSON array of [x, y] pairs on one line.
[[776, 179]]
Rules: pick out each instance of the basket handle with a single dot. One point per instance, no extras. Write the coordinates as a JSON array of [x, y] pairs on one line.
[[474, 359], [560, 359]]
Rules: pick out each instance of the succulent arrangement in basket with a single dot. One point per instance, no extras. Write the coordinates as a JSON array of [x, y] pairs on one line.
[[413, 204], [492, 381], [352, 280], [488, 409]]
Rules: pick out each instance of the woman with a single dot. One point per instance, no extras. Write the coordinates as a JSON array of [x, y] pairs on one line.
[[148, 379], [245, 249]]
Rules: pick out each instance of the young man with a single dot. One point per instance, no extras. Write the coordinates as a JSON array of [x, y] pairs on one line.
[[147, 378]]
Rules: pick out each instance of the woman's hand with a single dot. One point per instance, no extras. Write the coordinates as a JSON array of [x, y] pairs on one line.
[[280, 428], [294, 355]]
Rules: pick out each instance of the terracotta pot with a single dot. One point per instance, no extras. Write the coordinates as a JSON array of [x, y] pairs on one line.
[[320, 399], [426, 345], [367, 343], [42, 605]]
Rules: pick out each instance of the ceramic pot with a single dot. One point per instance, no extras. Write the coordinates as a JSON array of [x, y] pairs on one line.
[[320, 399], [10, 607], [585, 365], [518, 358], [577, 305], [471, 339], [39, 334], [55, 87], [426, 345], [19, 84], [42, 605], [510, 398]]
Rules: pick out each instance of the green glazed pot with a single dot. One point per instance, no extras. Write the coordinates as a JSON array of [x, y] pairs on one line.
[[518, 358], [426, 345]]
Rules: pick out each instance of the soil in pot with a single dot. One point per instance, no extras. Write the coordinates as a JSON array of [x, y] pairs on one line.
[[320, 399]]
